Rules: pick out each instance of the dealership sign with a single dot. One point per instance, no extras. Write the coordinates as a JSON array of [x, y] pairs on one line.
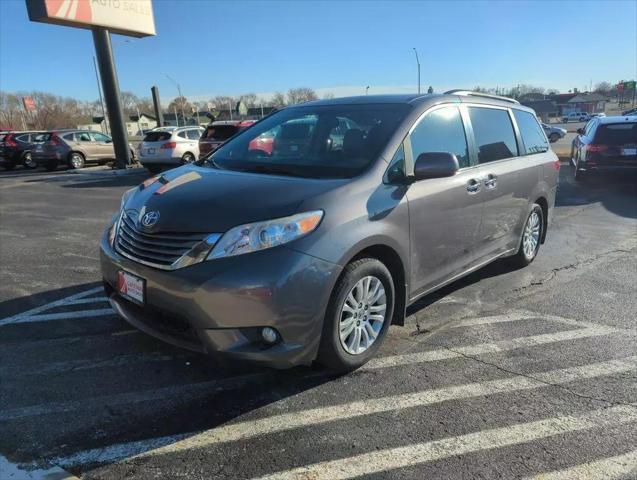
[[126, 17]]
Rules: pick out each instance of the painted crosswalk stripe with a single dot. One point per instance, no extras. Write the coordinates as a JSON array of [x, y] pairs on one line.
[[409, 455], [305, 418], [484, 348], [612, 468]]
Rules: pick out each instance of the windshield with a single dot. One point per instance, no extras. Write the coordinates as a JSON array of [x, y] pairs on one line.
[[328, 141]]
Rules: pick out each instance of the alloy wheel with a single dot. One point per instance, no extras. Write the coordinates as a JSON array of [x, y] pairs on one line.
[[531, 238], [362, 315]]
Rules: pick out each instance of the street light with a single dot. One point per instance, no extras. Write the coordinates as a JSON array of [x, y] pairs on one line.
[[366, 89], [181, 97], [418, 63]]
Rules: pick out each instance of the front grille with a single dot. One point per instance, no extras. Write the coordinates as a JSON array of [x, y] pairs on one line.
[[160, 250]]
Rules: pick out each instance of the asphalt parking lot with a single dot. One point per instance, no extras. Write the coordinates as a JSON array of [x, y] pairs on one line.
[[504, 374]]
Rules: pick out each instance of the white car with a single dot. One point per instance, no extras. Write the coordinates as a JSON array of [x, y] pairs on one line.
[[169, 147], [576, 117]]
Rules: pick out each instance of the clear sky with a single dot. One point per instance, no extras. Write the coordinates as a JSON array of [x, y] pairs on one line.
[[223, 47]]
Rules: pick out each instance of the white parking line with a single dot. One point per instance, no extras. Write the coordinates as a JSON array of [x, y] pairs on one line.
[[483, 348], [304, 418], [612, 468], [48, 306], [100, 312], [80, 301], [393, 458]]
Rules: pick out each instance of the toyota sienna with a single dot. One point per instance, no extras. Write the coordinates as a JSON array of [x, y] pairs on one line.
[[310, 249]]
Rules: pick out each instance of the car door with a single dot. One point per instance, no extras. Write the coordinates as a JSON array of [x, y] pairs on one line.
[[83, 143], [444, 213], [505, 176], [103, 145]]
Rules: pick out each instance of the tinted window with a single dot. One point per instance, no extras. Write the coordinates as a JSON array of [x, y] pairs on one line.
[[157, 136], [301, 143], [441, 131], [23, 138], [68, 136], [532, 135], [220, 132], [82, 137], [182, 134], [617, 134], [493, 132]]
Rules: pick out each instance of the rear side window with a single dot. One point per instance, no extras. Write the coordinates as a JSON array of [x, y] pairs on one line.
[[182, 134], [220, 132], [194, 134], [68, 136], [533, 137], [157, 136], [493, 132], [617, 134], [23, 138], [441, 131]]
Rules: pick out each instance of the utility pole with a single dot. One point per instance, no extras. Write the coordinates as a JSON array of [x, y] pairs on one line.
[[417, 63], [181, 97], [366, 89], [99, 89]]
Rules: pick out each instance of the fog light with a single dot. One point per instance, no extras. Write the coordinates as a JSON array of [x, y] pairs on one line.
[[269, 335]]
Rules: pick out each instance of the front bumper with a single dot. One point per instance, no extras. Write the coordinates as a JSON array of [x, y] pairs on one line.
[[219, 307]]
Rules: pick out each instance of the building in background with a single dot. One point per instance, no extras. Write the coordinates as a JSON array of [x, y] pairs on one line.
[[587, 102], [544, 109]]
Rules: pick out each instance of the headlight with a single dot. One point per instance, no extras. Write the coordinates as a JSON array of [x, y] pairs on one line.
[[261, 235], [126, 196], [112, 232]]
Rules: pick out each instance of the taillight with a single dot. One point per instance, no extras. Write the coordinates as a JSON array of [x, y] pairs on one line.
[[55, 140], [168, 145], [556, 165], [595, 148], [9, 141]]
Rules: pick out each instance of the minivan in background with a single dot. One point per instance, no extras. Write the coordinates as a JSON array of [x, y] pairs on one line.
[[309, 250], [169, 147], [606, 144], [74, 148], [218, 132]]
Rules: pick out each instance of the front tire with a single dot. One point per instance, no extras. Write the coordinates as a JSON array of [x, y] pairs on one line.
[[187, 158], [358, 315], [531, 237]]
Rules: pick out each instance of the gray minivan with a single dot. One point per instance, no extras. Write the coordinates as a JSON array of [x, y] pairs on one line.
[[309, 249]]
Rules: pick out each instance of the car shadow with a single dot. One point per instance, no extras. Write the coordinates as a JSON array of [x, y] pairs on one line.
[[86, 382], [80, 181], [617, 192]]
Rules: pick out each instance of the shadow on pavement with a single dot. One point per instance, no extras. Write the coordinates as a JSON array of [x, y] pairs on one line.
[[617, 192]]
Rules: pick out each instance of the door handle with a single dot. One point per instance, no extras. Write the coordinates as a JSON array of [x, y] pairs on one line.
[[473, 186], [491, 181]]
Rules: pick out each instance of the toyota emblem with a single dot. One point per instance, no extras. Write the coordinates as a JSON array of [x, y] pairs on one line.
[[150, 218]]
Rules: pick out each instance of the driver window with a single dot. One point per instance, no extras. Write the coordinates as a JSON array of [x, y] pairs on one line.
[[441, 130]]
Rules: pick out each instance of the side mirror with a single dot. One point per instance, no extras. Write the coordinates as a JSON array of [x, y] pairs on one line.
[[580, 131], [435, 165]]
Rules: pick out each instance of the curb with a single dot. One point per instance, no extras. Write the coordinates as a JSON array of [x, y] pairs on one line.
[[107, 171]]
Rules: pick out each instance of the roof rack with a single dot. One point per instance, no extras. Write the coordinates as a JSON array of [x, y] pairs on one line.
[[459, 91]]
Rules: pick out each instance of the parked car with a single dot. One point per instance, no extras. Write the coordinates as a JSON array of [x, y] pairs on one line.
[[632, 111], [599, 114], [605, 144], [219, 132], [15, 149], [285, 259], [576, 117], [75, 148], [553, 133], [166, 148]]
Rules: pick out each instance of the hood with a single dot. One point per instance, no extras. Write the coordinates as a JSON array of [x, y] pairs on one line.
[[207, 200]]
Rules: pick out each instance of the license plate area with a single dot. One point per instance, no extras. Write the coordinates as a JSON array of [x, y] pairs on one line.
[[150, 151], [131, 287]]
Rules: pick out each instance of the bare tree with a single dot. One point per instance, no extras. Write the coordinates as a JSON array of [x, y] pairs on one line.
[[603, 88], [223, 102], [250, 99], [277, 100], [178, 103], [328, 96], [302, 94]]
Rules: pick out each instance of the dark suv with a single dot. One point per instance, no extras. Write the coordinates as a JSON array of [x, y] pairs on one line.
[[309, 250], [217, 133], [605, 144], [15, 149]]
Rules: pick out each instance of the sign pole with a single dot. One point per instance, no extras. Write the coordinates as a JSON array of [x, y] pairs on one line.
[[104, 52]]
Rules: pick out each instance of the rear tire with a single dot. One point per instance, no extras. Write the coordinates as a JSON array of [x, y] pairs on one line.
[[368, 282], [27, 161], [187, 158], [531, 238], [76, 160]]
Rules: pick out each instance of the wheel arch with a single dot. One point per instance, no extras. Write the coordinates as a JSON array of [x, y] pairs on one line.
[[394, 263], [544, 205]]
